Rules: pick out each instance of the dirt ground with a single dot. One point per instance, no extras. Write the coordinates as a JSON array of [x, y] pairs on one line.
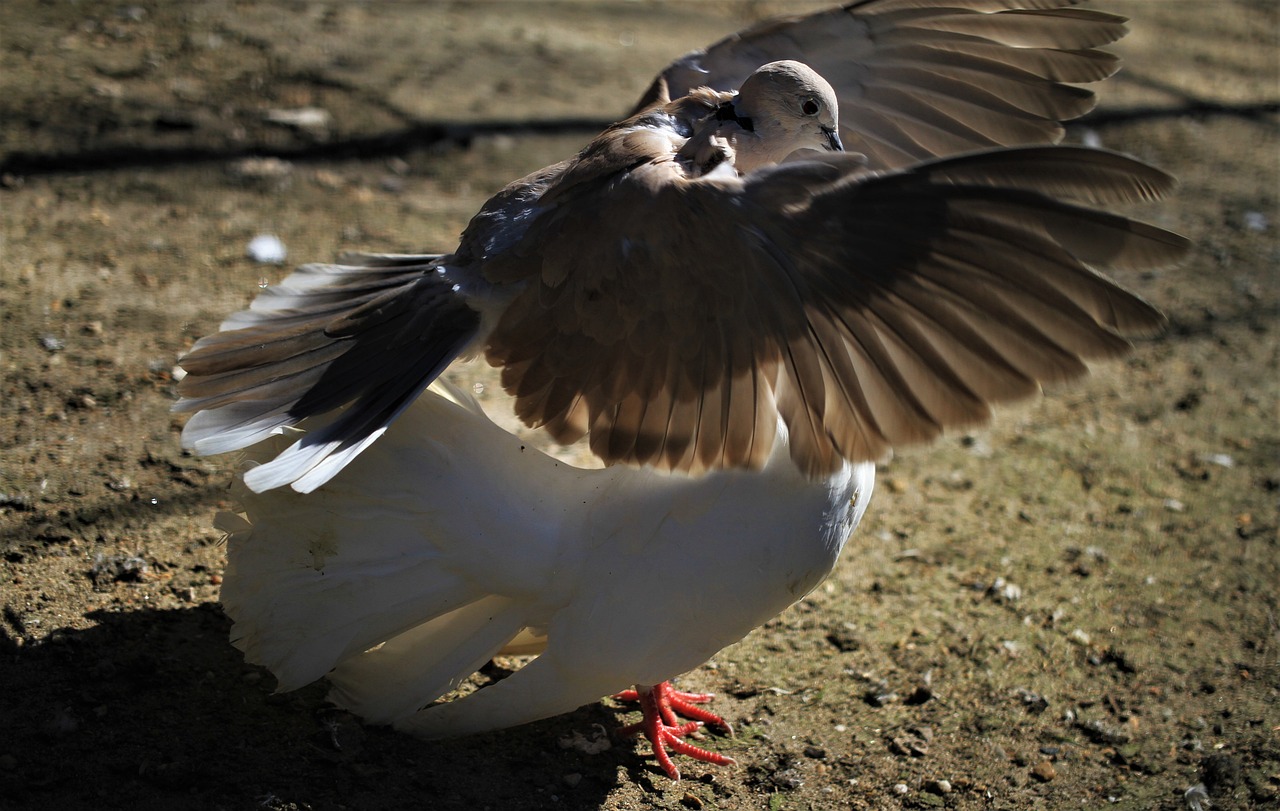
[[1076, 608]]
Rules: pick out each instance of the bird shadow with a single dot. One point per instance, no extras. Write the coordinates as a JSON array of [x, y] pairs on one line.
[[154, 708]]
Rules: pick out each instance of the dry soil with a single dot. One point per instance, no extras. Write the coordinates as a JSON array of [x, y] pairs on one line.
[[1075, 608]]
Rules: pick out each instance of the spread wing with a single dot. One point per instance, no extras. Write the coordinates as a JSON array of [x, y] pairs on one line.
[[673, 321], [372, 333], [365, 336], [918, 79]]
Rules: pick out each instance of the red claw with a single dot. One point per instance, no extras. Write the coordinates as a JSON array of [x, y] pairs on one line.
[[660, 705]]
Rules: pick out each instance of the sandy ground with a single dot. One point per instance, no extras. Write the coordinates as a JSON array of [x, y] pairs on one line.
[[1076, 608]]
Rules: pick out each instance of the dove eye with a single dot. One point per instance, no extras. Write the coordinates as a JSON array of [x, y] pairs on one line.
[[809, 107]]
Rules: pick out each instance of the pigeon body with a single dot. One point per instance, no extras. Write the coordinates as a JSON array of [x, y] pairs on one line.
[[405, 573], [737, 315]]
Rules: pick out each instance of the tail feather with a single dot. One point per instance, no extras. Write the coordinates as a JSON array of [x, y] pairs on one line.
[[308, 588], [415, 668], [307, 622], [543, 688], [381, 579]]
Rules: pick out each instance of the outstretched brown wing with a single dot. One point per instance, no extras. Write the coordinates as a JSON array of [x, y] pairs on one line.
[[674, 321], [918, 79]]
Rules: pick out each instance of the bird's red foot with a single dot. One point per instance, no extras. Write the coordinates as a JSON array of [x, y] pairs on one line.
[[659, 705]]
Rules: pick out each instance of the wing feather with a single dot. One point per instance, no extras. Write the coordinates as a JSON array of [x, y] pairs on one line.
[[863, 303], [865, 310], [998, 72], [366, 337]]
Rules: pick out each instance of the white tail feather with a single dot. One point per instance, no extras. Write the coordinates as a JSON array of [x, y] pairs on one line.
[[422, 664]]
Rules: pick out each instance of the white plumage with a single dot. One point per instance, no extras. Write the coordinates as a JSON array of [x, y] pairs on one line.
[[405, 573]]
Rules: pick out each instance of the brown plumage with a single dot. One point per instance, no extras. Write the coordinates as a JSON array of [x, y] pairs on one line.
[[674, 290], [866, 309]]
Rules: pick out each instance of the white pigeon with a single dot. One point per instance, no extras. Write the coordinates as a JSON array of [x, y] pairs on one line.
[[738, 315]]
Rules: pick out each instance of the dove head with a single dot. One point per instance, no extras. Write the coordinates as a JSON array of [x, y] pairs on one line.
[[784, 106]]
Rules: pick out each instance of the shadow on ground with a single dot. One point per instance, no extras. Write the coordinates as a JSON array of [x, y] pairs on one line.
[[164, 713]]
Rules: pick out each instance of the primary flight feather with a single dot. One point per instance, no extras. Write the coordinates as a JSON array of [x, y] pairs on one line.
[[819, 239]]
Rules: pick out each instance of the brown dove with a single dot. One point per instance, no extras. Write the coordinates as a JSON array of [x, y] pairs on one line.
[[819, 239]]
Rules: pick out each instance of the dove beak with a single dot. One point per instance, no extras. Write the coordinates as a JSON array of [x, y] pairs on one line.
[[833, 139]]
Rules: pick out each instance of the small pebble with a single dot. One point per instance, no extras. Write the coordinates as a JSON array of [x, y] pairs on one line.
[[1005, 591], [269, 169], [877, 698], [572, 780], [1220, 459], [312, 119], [789, 779], [1099, 732], [267, 249], [1044, 771], [121, 568], [938, 787]]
